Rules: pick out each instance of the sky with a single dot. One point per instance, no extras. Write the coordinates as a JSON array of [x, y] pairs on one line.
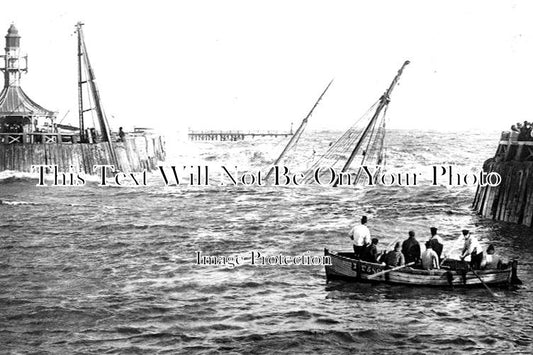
[[244, 65]]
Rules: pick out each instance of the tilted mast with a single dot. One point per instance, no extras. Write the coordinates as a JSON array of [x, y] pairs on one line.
[[83, 137], [102, 119], [82, 55], [383, 103], [298, 132]]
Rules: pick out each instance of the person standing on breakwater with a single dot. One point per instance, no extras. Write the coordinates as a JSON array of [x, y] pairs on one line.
[[360, 234], [121, 135], [524, 131], [473, 249]]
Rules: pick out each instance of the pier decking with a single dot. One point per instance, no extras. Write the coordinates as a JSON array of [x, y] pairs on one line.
[[233, 135]]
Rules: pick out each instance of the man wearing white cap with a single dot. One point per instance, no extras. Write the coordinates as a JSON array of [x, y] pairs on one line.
[[473, 249]]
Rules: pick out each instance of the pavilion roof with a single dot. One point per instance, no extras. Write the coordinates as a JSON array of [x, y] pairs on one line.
[[15, 102]]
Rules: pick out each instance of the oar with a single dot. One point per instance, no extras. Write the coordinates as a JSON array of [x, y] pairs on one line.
[[389, 270], [483, 283]]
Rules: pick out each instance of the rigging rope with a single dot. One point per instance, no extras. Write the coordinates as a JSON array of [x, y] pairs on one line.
[[87, 93], [337, 151], [366, 152], [368, 132]]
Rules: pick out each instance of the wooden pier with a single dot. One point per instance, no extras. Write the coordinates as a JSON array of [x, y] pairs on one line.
[[135, 153], [233, 135], [512, 200]]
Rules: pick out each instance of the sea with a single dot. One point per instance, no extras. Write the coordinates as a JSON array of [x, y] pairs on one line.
[[114, 269]]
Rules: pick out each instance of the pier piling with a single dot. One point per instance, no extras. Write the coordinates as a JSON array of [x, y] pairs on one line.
[[134, 154], [512, 200]]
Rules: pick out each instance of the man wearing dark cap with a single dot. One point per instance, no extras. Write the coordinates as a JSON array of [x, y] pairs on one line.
[[436, 242], [370, 253], [394, 257], [473, 249], [411, 248]]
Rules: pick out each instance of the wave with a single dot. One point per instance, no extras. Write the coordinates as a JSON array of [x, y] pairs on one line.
[[9, 176], [16, 203]]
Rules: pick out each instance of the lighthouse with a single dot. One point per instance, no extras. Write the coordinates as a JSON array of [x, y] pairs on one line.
[[13, 67], [19, 113]]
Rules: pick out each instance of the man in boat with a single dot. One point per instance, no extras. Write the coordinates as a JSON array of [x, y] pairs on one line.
[[430, 259], [473, 249], [436, 242], [370, 253], [394, 257], [490, 261], [360, 236], [411, 248]]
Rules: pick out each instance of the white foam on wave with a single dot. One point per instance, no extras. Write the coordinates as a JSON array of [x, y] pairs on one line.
[[11, 174], [16, 203]]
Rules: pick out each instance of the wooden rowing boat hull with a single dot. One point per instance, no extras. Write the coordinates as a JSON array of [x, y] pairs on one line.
[[345, 266]]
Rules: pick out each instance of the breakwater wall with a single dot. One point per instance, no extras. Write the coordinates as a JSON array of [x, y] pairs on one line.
[[134, 154], [512, 200]]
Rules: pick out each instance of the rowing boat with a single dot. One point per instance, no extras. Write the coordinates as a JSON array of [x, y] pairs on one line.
[[345, 266]]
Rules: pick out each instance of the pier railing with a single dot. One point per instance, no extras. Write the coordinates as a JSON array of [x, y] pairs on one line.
[[512, 149], [38, 137]]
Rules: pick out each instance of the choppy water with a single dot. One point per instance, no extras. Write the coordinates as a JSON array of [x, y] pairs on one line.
[[112, 270]]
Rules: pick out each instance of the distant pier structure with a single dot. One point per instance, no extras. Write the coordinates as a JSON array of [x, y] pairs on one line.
[[29, 134], [234, 135], [512, 200]]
